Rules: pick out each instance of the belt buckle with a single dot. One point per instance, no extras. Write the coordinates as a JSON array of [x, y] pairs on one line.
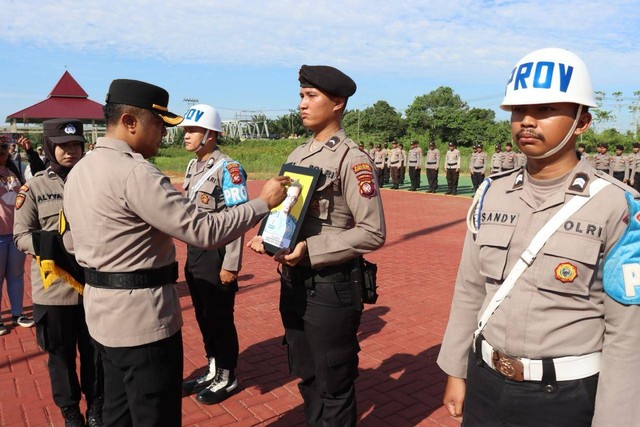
[[507, 366]]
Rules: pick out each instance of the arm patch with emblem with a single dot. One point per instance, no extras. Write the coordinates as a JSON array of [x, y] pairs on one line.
[[621, 273], [234, 184]]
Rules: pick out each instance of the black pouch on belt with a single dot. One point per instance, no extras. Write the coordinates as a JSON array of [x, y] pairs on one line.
[[366, 279]]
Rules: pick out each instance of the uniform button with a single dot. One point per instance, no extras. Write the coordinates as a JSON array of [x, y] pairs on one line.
[[549, 389], [312, 293]]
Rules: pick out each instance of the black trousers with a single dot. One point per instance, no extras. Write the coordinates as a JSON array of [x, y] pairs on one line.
[[636, 181], [385, 175], [213, 304], [476, 179], [619, 175], [395, 176], [432, 179], [452, 180], [321, 312], [492, 400], [62, 332], [414, 177], [143, 384]]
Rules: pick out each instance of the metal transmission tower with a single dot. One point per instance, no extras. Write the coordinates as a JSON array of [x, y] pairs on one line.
[[247, 125]]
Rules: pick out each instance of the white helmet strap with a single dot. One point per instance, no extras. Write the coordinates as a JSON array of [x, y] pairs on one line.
[[203, 142], [565, 140]]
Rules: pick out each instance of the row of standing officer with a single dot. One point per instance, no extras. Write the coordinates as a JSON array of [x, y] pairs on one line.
[[624, 167]]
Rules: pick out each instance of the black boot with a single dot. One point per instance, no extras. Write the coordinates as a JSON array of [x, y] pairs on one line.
[[72, 416], [198, 384], [220, 389], [94, 413]]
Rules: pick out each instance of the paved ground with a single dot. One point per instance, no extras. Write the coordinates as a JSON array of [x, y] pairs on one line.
[[399, 384]]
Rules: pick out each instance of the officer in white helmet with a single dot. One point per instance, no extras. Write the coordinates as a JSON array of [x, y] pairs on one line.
[[213, 182], [536, 337]]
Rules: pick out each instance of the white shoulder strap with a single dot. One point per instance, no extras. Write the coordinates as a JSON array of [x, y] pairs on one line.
[[529, 254], [187, 173], [194, 190]]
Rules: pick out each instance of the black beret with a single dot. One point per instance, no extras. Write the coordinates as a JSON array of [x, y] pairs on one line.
[[327, 79], [636, 145], [452, 144], [508, 144], [620, 147], [60, 131], [143, 95]]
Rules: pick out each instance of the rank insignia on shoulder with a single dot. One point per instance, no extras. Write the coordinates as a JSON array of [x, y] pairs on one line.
[[579, 182], [566, 272], [519, 180], [332, 142], [19, 200]]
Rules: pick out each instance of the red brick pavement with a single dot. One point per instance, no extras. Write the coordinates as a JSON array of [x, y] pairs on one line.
[[399, 383]]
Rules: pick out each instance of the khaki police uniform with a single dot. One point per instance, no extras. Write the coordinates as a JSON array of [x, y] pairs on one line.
[[57, 310], [403, 167], [602, 162], [431, 165], [395, 164], [558, 307], [213, 301], [452, 167], [509, 161], [634, 176], [379, 161], [496, 162], [619, 167], [477, 167], [124, 214], [414, 161], [319, 304]]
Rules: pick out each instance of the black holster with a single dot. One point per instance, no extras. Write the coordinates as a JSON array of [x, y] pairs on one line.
[[363, 277]]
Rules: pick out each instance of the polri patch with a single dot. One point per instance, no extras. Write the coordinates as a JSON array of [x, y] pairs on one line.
[[19, 200], [566, 272], [234, 171], [366, 183]]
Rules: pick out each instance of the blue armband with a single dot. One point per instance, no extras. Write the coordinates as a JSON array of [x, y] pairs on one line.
[[621, 273], [234, 184]]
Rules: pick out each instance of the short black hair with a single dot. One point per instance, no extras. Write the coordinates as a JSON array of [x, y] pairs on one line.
[[113, 112]]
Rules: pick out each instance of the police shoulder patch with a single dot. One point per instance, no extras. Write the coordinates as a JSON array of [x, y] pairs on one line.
[[19, 200], [364, 176], [24, 188]]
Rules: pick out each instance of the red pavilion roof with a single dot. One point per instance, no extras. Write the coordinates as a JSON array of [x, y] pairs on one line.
[[67, 100]]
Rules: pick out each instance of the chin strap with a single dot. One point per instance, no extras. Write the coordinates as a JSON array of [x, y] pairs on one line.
[[203, 142], [565, 140]]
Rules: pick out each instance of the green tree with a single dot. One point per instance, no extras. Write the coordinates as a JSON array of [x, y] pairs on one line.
[[379, 122], [420, 115]]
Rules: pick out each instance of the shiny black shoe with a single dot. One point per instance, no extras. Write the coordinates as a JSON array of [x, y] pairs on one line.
[[223, 386], [72, 416], [198, 384], [94, 413]]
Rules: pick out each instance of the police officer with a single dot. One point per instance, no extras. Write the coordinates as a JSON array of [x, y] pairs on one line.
[[394, 162], [123, 214], [584, 156], [452, 167], [554, 349], [634, 161], [403, 166], [214, 183], [319, 304], [57, 307], [619, 165], [477, 166], [602, 159], [387, 169], [372, 151], [496, 159], [414, 161], [379, 160], [509, 158], [431, 165]]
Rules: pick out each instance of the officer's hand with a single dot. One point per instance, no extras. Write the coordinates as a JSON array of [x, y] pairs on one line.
[[226, 276], [287, 257], [453, 398], [631, 182], [256, 245], [24, 143], [275, 191]]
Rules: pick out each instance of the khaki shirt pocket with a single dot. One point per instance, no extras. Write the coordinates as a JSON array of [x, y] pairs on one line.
[[48, 213], [322, 198], [207, 195], [494, 243], [568, 264]]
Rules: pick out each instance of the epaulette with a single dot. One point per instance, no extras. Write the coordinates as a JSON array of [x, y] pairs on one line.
[[617, 183], [502, 174]]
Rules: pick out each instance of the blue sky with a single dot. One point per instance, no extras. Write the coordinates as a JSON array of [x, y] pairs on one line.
[[246, 55]]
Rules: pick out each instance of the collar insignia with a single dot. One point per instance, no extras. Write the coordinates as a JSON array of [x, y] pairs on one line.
[[332, 142], [579, 182], [519, 180]]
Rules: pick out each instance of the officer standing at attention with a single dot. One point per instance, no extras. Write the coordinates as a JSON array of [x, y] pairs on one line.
[[372, 151], [431, 165], [452, 167], [395, 164], [477, 166], [415, 162], [602, 159], [509, 158], [57, 307], [634, 161], [319, 304], [387, 170], [379, 160], [214, 183], [496, 159], [619, 165], [123, 215], [555, 346], [403, 167]]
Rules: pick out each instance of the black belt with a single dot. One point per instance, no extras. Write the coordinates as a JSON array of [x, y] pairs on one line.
[[452, 164], [432, 163], [140, 279]]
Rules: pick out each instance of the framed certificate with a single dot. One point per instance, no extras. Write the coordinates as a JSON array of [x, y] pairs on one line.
[[279, 230]]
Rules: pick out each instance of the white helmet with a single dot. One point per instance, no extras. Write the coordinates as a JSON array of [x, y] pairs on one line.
[[204, 116], [547, 76]]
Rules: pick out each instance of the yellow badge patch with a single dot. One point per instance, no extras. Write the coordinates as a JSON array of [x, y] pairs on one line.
[[19, 200], [24, 188], [204, 199], [566, 272]]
